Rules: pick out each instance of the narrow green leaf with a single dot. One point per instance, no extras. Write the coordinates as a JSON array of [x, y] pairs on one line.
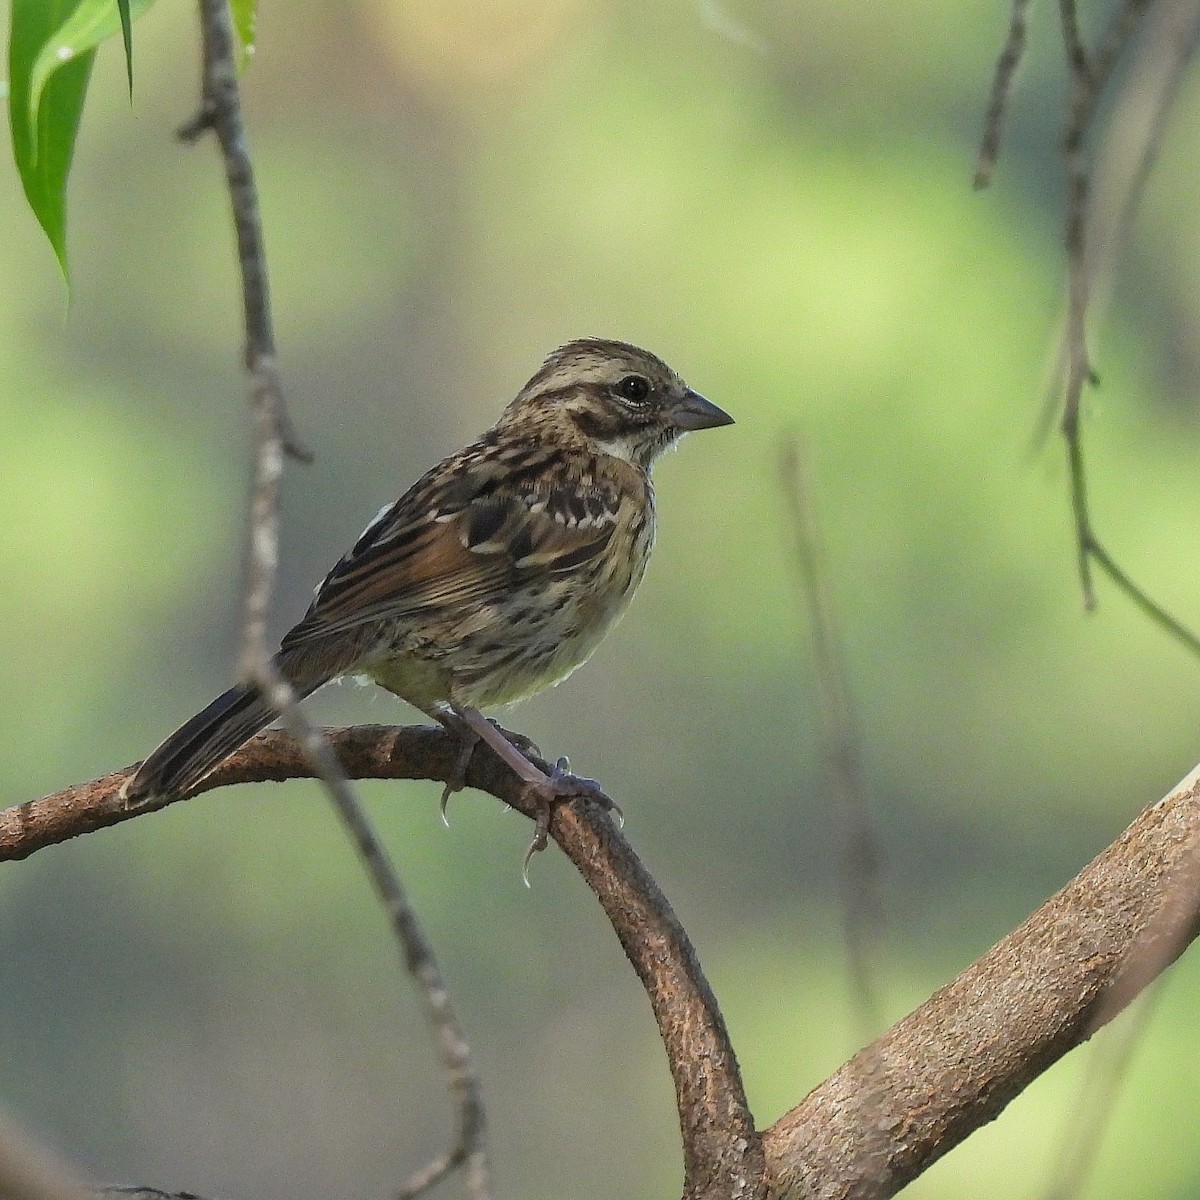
[[245, 24], [43, 134], [83, 28], [127, 38], [50, 52]]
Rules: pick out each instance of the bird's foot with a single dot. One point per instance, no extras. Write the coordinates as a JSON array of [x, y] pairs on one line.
[[544, 791], [469, 738], [456, 777], [556, 788]]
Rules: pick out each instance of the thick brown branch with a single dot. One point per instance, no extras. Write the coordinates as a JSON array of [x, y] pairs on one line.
[[954, 1063], [722, 1157]]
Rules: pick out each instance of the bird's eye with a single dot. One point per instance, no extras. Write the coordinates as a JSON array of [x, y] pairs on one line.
[[635, 388]]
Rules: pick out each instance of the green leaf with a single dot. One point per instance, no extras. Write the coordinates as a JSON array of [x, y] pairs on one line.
[[43, 133], [245, 24], [127, 38], [51, 47]]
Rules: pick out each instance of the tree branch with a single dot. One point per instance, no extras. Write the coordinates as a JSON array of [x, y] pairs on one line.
[[900, 1103], [954, 1063], [722, 1156]]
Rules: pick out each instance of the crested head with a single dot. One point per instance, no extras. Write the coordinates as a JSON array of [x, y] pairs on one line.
[[611, 398]]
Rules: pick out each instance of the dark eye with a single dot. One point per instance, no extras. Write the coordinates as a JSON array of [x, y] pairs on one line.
[[635, 388]]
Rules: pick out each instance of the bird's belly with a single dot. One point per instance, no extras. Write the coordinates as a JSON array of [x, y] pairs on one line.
[[534, 640], [533, 636]]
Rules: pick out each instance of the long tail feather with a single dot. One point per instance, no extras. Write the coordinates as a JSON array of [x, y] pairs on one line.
[[210, 737], [200, 744]]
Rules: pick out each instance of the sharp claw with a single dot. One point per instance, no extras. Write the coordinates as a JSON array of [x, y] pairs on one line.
[[447, 792], [541, 836]]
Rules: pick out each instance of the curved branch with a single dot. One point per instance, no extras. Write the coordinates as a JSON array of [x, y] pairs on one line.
[[721, 1150]]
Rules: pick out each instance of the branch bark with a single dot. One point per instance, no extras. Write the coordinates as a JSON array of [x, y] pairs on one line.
[[721, 1150], [900, 1103], [954, 1063]]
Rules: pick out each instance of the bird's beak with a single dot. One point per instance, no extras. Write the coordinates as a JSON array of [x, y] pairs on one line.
[[692, 411]]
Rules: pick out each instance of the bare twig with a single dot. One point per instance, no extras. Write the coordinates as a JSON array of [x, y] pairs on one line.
[[470, 1148], [220, 111], [1093, 240], [1089, 1117], [1087, 85], [1077, 59], [861, 902], [1134, 132], [1085, 94], [1002, 89]]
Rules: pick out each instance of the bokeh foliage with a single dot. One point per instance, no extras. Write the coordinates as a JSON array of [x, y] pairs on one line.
[[450, 189]]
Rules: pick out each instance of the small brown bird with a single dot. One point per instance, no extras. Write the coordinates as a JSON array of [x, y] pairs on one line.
[[494, 576]]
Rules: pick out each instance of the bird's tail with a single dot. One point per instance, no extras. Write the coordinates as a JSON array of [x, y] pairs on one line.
[[205, 741]]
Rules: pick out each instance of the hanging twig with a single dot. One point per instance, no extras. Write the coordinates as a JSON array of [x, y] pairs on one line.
[[275, 439], [862, 905], [1002, 89], [1093, 243]]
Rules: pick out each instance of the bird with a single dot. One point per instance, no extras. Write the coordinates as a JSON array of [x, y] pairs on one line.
[[494, 576]]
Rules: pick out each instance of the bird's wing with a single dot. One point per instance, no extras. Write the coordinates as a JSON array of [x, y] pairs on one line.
[[477, 525]]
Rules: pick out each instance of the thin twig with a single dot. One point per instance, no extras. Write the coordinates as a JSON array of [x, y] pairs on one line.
[[1090, 1116], [470, 1145], [862, 904], [1087, 84], [1134, 133], [1116, 37], [220, 111], [1102, 239], [1002, 89], [1077, 59], [1080, 107]]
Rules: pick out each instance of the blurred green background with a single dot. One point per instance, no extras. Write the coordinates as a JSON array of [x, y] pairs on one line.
[[775, 197]]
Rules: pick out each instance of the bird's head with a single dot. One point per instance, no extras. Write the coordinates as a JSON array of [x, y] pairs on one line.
[[613, 398]]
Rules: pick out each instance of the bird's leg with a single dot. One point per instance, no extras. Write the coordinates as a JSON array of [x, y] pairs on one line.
[[547, 790], [469, 738]]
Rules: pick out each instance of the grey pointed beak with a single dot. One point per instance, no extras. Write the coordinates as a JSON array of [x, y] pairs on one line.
[[692, 411]]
